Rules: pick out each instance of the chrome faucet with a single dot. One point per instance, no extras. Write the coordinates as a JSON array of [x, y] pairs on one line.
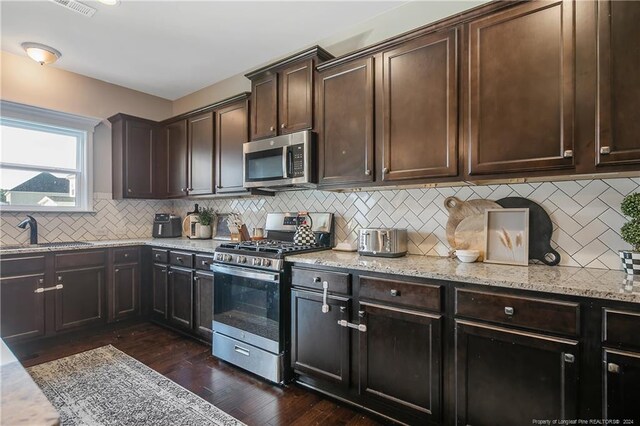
[[33, 227]]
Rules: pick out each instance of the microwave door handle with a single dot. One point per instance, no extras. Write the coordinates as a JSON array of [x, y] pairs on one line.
[[289, 163], [285, 171]]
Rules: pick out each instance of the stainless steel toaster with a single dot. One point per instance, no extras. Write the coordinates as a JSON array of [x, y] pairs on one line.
[[383, 242]]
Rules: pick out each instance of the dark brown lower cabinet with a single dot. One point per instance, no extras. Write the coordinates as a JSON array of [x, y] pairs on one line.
[[203, 283], [508, 377], [400, 358], [22, 315], [621, 386], [319, 345], [159, 291], [181, 297], [126, 290], [80, 300]]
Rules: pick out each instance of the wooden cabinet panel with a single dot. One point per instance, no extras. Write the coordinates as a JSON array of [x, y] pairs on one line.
[[319, 346], [126, 255], [159, 291], [22, 309], [537, 314], [337, 282], [421, 296], [521, 89], [78, 259], [621, 386], [420, 108], [203, 262], [30, 265], [203, 304], [506, 377], [181, 297], [620, 328], [181, 258], [176, 161], [264, 106], [160, 255], [296, 97], [81, 299], [345, 126], [619, 83], [201, 154], [138, 159], [231, 133], [126, 290], [400, 358]]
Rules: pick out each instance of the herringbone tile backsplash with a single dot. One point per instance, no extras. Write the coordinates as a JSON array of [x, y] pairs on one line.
[[586, 215]]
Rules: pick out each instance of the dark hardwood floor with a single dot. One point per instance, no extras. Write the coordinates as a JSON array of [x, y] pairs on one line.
[[190, 364]]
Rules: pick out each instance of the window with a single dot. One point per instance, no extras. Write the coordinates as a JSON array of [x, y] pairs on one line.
[[45, 159]]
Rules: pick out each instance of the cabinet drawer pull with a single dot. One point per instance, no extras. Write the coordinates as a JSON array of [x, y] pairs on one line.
[[360, 327], [42, 289], [241, 350], [605, 150], [613, 368], [117, 270], [568, 153], [395, 293], [196, 278], [508, 310], [325, 290], [205, 263], [157, 256], [126, 255], [569, 358], [179, 259]]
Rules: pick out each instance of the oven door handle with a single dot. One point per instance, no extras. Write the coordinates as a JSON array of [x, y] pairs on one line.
[[244, 273]]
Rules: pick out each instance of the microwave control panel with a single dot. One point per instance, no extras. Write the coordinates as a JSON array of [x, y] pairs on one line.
[[295, 161]]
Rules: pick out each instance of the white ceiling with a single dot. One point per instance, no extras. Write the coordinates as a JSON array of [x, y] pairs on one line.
[[173, 48]]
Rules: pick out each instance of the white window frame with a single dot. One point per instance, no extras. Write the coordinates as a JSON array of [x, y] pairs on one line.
[[30, 117]]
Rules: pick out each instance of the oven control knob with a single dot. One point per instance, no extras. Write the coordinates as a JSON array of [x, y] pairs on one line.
[[242, 259], [256, 262], [266, 262], [219, 256], [228, 258]]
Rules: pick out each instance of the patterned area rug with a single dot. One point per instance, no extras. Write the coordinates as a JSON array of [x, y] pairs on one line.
[[105, 386]]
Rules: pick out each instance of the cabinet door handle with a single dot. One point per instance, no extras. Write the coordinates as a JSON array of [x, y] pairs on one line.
[[613, 368], [41, 281], [117, 270], [129, 190], [42, 290], [385, 170], [282, 126], [126, 255], [605, 150], [170, 273], [569, 358], [271, 129], [367, 172], [360, 327], [59, 278], [196, 278], [189, 189], [164, 270], [325, 290], [183, 189], [568, 153], [508, 310], [343, 309], [394, 293], [361, 314]]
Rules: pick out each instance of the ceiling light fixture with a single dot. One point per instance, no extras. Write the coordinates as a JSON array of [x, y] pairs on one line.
[[110, 2], [42, 54]]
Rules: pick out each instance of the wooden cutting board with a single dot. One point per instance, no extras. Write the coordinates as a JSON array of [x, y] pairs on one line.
[[459, 210], [469, 235]]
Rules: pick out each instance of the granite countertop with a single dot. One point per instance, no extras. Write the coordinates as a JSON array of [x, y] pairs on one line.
[[22, 401], [586, 282], [207, 246]]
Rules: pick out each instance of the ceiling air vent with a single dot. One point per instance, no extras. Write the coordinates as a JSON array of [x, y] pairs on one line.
[[76, 6]]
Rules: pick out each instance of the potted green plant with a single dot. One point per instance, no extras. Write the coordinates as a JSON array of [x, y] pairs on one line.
[[630, 232], [206, 217]]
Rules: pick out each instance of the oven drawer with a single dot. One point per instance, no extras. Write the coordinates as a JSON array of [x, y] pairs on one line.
[[204, 262], [181, 258], [404, 293], [621, 328], [536, 314], [255, 360], [339, 283]]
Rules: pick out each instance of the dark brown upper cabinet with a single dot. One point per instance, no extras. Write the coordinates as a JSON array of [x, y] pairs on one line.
[[134, 144], [232, 131], [618, 111], [345, 123], [520, 90], [175, 160], [201, 154], [419, 111], [282, 95], [296, 97]]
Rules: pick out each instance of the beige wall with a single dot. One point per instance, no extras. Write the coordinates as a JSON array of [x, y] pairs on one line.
[[23, 80], [386, 25]]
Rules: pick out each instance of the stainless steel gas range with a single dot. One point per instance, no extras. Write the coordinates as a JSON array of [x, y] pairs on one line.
[[251, 295]]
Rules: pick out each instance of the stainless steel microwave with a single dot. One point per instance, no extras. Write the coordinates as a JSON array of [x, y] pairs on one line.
[[281, 163]]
